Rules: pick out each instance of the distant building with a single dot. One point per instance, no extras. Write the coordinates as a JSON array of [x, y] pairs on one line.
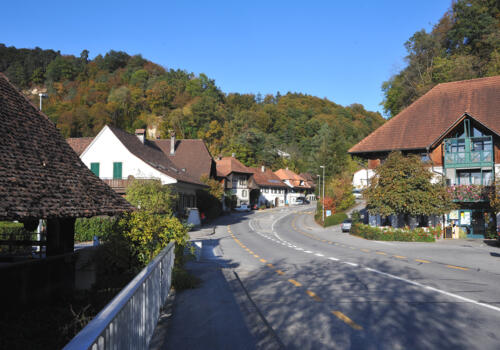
[[297, 185], [236, 178], [272, 189], [361, 178]]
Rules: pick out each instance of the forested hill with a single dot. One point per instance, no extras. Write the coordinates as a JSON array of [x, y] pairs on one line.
[[131, 92], [464, 44]]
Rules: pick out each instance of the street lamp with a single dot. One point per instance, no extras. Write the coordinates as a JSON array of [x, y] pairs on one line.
[[323, 196], [42, 96], [319, 185]]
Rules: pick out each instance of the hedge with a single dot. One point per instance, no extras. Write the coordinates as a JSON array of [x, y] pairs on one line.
[[8, 229], [85, 229], [395, 234], [335, 219]]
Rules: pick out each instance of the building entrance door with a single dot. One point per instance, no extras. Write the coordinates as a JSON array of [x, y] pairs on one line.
[[472, 222]]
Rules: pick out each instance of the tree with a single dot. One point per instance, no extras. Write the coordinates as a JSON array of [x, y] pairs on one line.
[[151, 196], [402, 185]]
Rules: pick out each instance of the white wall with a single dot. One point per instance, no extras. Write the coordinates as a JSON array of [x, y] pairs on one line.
[[106, 149], [360, 176], [267, 195]]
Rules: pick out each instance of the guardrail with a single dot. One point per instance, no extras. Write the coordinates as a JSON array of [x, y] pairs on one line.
[[129, 320]]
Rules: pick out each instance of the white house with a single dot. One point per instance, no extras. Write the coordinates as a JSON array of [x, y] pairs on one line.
[[116, 157], [297, 186], [272, 189], [361, 178], [236, 177]]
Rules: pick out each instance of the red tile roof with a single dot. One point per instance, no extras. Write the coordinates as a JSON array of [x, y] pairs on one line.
[[190, 154], [79, 144], [228, 165], [40, 175], [266, 178], [294, 179], [425, 121]]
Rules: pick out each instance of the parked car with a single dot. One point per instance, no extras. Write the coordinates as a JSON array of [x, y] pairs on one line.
[[243, 207], [346, 225], [357, 194], [299, 201]]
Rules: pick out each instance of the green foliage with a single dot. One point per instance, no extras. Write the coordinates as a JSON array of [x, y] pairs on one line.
[[87, 228], [128, 92], [8, 228], [462, 45], [356, 216], [391, 234], [151, 196], [402, 185], [335, 219]]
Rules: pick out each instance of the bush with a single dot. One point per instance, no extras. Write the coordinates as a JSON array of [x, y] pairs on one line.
[[334, 219], [8, 229], [392, 234], [85, 229]]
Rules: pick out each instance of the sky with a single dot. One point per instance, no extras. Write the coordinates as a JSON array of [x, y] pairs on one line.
[[341, 50]]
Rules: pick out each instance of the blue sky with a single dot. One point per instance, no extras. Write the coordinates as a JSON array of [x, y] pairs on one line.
[[341, 50]]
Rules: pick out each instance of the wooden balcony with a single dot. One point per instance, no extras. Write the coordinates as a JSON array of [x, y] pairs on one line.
[[120, 185]]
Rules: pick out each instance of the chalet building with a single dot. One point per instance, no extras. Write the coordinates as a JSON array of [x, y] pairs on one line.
[[455, 127], [311, 182], [236, 178], [272, 189], [297, 187], [41, 177], [118, 157]]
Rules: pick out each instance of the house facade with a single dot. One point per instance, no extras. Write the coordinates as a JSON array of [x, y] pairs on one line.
[[271, 189], [236, 177], [297, 187], [455, 128], [118, 157]]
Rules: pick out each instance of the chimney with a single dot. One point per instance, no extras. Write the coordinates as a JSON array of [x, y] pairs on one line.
[[263, 169], [233, 155], [172, 143], [141, 134]]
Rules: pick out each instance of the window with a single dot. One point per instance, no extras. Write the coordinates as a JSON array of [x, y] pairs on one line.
[[244, 193], [474, 177], [94, 167], [117, 170], [242, 181]]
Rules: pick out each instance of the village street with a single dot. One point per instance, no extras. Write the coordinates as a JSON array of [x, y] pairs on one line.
[[320, 288]]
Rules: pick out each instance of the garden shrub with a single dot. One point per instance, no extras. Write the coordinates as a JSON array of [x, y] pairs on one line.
[[395, 234], [8, 229], [86, 228], [335, 219]]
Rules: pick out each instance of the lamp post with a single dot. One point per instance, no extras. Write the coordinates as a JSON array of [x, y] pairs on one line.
[[323, 196], [319, 185], [42, 96]]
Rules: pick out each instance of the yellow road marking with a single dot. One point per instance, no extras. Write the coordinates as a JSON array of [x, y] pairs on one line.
[[423, 261], [457, 267], [366, 250], [256, 256], [313, 295], [279, 272], [263, 260], [381, 253], [270, 265], [400, 256], [347, 320], [294, 282]]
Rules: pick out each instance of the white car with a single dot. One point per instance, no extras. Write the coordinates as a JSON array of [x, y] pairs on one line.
[[357, 194], [346, 225], [243, 207]]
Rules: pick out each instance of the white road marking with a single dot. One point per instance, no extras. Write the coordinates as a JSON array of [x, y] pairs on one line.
[[318, 254], [307, 251], [334, 259], [349, 263]]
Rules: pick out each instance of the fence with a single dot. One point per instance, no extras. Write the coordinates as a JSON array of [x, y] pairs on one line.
[[129, 320]]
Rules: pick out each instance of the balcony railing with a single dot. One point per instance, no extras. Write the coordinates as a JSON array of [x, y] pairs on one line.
[[468, 152], [470, 193]]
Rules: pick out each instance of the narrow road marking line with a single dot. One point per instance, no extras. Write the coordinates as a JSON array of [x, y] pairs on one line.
[[295, 283], [352, 247], [270, 265], [381, 253], [279, 272], [350, 263], [334, 259], [318, 254], [263, 260], [347, 320], [323, 240], [457, 267], [313, 295], [307, 251], [366, 250], [400, 256], [423, 261], [256, 256]]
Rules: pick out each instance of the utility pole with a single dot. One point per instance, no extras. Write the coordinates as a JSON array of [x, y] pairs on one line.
[[319, 184], [323, 196], [42, 96]]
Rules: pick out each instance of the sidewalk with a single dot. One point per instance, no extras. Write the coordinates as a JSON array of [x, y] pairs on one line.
[[216, 315]]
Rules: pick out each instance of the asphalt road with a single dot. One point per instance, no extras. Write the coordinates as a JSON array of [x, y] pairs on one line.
[[323, 289]]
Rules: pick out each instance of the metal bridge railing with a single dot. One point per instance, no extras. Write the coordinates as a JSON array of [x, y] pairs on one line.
[[129, 320]]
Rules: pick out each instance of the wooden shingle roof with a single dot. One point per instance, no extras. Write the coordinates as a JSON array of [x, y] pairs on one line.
[[40, 175], [427, 119]]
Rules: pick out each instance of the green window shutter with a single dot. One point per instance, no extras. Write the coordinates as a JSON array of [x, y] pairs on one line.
[[117, 170], [94, 167]]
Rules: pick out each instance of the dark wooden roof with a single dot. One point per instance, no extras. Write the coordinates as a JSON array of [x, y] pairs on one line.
[[40, 175], [427, 119], [190, 154]]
